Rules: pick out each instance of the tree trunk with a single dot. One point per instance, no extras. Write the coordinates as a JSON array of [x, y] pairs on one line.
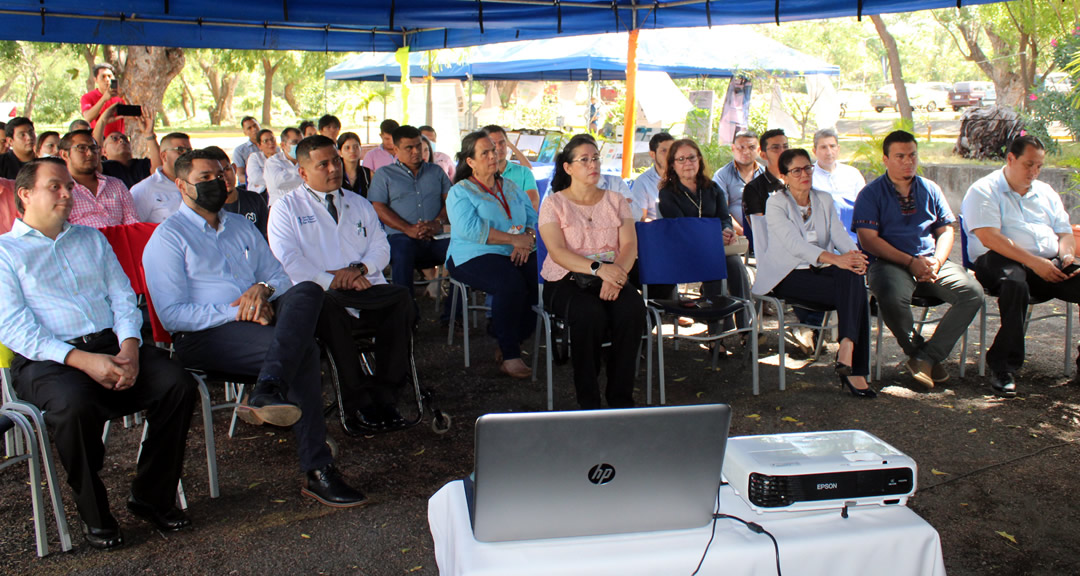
[[7, 86], [1008, 83], [222, 88], [34, 83], [89, 53], [506, 91], [187, 99], [902, 101], [290, 97], [148, 71], [268, 90]]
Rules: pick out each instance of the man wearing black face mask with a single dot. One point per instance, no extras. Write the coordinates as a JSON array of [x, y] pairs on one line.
[[216, 286]]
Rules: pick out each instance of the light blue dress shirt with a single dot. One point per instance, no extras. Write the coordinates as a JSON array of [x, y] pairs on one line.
[[195, 272], [647, 187], [731, 183], [473, 213], [1033, 221], [56, 290]]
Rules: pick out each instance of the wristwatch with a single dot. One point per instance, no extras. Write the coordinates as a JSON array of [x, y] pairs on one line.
[[361, 266], [270, 288], [595, 267]]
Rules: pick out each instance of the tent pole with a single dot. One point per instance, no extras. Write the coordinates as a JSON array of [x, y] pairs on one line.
[[470, 116], [386, 93], [629, 120]]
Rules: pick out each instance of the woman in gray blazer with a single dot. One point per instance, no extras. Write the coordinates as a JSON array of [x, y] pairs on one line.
[[811, 257]]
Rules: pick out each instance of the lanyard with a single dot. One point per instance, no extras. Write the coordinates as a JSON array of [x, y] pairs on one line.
[[500, 196]]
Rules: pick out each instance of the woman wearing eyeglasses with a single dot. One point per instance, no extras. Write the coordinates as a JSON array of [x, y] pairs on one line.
[[492, 241], [687, 192], [591, 242], [811, 257]]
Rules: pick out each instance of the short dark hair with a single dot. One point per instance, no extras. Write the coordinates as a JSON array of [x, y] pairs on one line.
[[388, 126], [304, 126], [310, 144], [769, 134], [245, 119], [78, 122], [1020, 144], [658, 139], [745, 134], [329, 120], [261, 133], [897, 137], [103, 66], [182, 167], [405, 131], [291, 129], [27, 176], [217, 154], [65, 142], [174, 136], [790, 155], [493, 128], [426, 128], [15, 123]]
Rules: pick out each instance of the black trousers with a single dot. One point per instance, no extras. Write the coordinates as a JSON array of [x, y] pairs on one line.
[[388, 311], [514, 291], [843, 290], [591, 321], [284, 351], [76, 409], [1016, 286]]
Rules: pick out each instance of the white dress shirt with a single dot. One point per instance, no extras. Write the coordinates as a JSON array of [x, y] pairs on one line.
[[1033, 221], [307, 241], [282, 176], [256, 163], [843, 182], [156, 198]]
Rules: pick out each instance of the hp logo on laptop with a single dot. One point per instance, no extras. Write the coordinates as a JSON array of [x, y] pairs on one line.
[[601, 474]]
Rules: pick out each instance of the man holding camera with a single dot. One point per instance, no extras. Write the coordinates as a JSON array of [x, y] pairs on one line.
[[105, 94]]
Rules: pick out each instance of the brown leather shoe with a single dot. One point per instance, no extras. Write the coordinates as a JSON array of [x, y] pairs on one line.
[[939, 373], [920, 370], [516, 368]]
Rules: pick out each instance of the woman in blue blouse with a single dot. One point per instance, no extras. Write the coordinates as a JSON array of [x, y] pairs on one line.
[[492, 241]]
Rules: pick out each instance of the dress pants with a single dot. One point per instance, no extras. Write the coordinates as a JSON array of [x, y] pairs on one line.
[[840, 289], [514, 291], [76, 408], [284, 351], [1016, 286], [387, 311], [409, 254], [894, 286], [591, 321]]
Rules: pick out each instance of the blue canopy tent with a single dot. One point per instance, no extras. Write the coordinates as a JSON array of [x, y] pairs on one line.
[[679, 52]]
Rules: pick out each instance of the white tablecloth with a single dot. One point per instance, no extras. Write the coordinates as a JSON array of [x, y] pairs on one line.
[[872, 540]]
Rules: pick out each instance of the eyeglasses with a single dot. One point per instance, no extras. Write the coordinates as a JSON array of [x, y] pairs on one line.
[[586, 160], [181, 149], [807, 170], [775, 147], [84, 148], [686, 159]]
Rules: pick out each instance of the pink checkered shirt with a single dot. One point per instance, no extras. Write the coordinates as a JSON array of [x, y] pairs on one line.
[[112, 206]]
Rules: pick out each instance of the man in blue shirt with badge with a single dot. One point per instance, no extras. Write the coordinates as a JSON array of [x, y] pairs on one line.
[[1022, 247], [905, 224], [230, 307], [69, 315]]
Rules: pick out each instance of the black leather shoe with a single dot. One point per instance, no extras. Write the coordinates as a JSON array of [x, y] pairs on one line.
[[364, 422], [1004, 384], [327, 486], [267, 405], [103, 538], [171, 520], [391, 418]]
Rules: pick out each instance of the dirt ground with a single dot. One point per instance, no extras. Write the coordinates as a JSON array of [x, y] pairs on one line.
[[997, 478]]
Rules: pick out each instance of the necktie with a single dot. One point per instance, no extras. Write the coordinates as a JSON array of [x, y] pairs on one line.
[[330, 207]]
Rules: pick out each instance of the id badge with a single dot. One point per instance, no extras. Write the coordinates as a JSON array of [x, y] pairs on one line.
[[811, 236]]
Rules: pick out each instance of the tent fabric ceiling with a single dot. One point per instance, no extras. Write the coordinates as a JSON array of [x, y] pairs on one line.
[[686, 52], [386, 25]]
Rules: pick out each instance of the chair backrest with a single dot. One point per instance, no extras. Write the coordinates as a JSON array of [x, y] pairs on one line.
[[681, 250], [964, 243], [128, 242]]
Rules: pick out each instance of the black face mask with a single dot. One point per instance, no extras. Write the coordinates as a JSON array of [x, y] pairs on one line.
[[211, 194]]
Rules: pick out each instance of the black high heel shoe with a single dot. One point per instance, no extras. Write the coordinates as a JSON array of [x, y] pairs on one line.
[[842, 369], [867, 392]]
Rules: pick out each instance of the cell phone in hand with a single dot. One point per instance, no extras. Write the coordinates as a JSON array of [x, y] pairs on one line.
[[128, 110], [1071, 268], [114, 84]]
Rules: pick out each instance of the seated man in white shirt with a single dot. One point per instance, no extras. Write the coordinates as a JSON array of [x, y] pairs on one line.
[[281, 173], [256, 162], [1021, 247], [230, 307], [325, 234], [157, 198], [69, 315]]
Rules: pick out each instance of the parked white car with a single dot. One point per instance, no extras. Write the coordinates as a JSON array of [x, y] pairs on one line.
[[929, 96]]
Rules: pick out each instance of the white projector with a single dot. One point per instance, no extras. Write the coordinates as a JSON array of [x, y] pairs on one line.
[[817, 470]]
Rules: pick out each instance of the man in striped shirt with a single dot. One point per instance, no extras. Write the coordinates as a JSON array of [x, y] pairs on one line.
[[98, 200]]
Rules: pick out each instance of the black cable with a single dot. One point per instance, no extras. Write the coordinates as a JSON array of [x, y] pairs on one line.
[[752, 526], [997, 464], [709, 543]]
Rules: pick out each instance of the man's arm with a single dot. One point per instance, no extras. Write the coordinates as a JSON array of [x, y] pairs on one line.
[[377, 255], [153, 149], [521, 158], [108, 115], [91, 113], [995, 241], [288, 248], [166, 278]]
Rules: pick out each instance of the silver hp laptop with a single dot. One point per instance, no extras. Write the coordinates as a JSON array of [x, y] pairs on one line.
[[562, 474]]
